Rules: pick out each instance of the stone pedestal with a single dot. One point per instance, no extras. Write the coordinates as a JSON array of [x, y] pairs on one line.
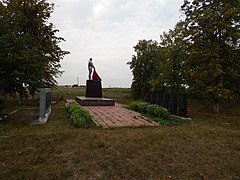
[[92, 101], [93, 89], [93, 95]]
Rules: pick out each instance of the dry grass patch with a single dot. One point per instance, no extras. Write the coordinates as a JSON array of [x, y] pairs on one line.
[[207, 147], [58, 150]]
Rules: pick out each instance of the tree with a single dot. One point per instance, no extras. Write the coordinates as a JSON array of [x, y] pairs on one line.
[[213, 37], [29, 50], [171, 71], [159, 67], [144, 66]]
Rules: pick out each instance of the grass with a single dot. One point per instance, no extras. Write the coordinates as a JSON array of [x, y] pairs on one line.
[[207, 147], [122, 95]]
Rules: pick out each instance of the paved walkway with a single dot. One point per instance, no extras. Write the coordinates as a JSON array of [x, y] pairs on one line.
[[117, 116]]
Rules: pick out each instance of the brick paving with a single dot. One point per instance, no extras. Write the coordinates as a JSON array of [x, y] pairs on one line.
[[117, 116]]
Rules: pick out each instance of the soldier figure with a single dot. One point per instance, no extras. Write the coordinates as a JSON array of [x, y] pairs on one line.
[[90, 67]]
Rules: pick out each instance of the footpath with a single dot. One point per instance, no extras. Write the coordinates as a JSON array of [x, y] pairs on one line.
[[117, 116]]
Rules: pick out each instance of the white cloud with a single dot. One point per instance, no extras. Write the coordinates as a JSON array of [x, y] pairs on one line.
[[107, 30]]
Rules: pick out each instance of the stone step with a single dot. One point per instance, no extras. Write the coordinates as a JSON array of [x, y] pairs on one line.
[[92, 101]]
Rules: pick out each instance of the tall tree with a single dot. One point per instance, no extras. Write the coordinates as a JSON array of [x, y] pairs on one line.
[[171, 71], [213, 36], [144, 66], [29, 52]]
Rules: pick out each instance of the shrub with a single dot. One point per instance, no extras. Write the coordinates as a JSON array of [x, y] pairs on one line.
[[161, 112], [149, 109], [139, 107], [142, 107], [157, 111], [79, 116], [133, 106]]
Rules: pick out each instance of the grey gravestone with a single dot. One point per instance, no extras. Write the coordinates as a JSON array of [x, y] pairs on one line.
[[44, 105]]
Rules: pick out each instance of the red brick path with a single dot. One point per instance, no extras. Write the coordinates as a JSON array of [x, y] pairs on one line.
[[117, 116]]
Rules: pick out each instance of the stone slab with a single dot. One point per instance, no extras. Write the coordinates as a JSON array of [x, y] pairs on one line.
[[93, 101]]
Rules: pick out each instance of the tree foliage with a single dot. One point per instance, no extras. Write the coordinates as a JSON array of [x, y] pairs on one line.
[[29, 51], [159, 66], [212, 32], [201, 54], [144, 66], [171, 75]]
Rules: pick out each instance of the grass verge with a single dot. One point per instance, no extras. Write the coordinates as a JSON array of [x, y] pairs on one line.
[[207, 147]]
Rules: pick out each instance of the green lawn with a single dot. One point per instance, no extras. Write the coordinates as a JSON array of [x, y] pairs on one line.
[[207, 147]]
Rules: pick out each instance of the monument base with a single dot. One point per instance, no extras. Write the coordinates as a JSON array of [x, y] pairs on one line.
[[93, 88], [92, 101]]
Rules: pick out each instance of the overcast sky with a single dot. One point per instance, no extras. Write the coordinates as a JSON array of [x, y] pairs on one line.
[[107, 30]]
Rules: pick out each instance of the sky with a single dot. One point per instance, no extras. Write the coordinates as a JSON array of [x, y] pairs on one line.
[[107, 31]]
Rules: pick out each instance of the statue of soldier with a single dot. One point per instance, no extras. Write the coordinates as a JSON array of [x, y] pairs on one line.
[[90, 67]]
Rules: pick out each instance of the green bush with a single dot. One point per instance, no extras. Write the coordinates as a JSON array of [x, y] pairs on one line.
[[149, 109], [139, 107], [161, 112], [142, 107], [79, 116], [133, 106]]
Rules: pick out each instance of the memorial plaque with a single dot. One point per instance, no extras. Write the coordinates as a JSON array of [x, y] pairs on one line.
[[152, 97], [176, 104], [165, 101], [147, 97], [158, 99], [173, 104], [182, 104]]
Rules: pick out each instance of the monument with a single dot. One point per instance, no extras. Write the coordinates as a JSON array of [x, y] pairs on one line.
[[94, 82], [93, 92]]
